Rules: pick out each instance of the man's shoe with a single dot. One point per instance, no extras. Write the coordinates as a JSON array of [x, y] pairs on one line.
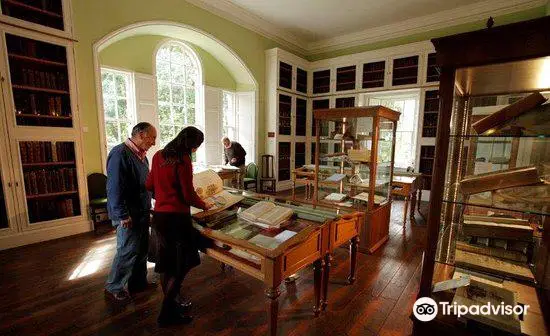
[[142, 287], [118, 297], [170, 315]]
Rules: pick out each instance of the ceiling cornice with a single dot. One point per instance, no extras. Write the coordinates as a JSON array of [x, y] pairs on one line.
[[236, 14], [452, 17]]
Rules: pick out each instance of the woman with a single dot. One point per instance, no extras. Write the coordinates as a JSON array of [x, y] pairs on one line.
[[171, 182]]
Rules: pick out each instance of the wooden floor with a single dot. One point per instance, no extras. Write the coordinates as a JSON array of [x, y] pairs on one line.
[[56, 288]]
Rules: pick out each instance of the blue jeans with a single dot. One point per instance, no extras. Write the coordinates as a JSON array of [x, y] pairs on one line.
[[130, 262]]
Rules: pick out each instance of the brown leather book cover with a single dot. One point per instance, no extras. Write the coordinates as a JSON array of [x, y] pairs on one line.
[[498, 180], [511, 111]]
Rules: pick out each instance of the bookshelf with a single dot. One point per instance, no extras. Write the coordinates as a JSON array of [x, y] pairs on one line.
[[39, 82], [345, 78], [431, 113], [50, 177], [405, 70], [283, 172], [344, 102], [299, 154], [301, 117], [301, 81], [427, 154], [285, 75], [316, 105], [432, 70], [285, 108], [321, 81], [374, 74], [45, 13]]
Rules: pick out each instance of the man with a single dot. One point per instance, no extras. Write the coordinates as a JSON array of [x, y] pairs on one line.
[[234, 154], [128, 205]]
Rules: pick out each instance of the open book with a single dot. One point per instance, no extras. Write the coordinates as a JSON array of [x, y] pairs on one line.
[[266, 214], [209, 186]]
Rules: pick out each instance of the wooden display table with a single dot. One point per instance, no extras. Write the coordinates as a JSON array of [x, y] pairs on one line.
[[273, 255], [407, 186]]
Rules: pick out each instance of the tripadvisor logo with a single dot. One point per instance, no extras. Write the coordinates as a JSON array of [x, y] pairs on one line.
[[425, 309]]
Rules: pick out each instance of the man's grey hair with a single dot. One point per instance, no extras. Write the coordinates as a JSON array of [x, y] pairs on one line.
[[141, 127], [225, 138]]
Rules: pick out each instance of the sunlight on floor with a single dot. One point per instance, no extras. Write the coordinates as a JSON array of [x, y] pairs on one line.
[[92, 261]]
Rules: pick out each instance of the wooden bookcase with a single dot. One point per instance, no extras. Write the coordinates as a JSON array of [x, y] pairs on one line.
[[321, 81], [285, 114], [285, 75], [301, 117], [427, 154], [432, 70], [301, 81], [405, 70]]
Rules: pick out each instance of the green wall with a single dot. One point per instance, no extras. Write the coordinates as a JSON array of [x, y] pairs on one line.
[[137, 54], [499, 20], [95, 19]]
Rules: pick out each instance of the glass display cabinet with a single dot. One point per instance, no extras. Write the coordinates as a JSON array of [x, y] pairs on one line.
[[488, 223], [354, 165]]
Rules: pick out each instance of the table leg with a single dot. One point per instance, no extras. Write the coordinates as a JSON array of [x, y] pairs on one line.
[[407, 199], [318, 283], [413, 206], [326, 275], [353, 259], [293, 190], [272, 294], [419, 200]]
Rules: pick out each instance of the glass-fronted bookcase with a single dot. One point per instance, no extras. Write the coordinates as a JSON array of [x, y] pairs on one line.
[[488, 224]]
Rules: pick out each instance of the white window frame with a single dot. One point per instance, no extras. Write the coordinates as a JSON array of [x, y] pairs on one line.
[[232, 121], [365, 101], [130, 107], [199, 93]]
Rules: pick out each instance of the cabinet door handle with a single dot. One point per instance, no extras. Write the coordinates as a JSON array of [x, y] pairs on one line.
[[9, 184], [16, 184], [2, 79]]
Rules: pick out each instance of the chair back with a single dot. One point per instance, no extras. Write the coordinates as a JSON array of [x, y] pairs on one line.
[[97, 186], [252, 170], [268, 170]]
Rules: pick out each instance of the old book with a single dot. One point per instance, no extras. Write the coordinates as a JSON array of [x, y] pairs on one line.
[[509, 112], [492, 251], [514, 177], [494, 219], [481, 293], [266, 214], [209, 186], [23, 151], [497, 230], [493, 265]]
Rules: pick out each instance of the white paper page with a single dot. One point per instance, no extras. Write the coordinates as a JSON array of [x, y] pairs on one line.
[[265, 241], [207, 183], [255, 211], [284, 236], [276, 216]]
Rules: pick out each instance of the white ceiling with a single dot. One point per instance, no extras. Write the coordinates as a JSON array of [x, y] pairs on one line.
[[314, 26], [314, 20]]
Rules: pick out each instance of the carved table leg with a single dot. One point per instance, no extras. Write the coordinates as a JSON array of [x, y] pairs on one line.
[[318, 283], [413, 207], [353, 259], [325, 281], [272, 309]]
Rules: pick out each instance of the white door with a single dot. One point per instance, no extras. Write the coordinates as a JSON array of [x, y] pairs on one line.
[[146, 105], [213, 111], [246, 123]]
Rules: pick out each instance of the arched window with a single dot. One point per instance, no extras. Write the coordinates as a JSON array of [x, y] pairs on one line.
[[179, 80]]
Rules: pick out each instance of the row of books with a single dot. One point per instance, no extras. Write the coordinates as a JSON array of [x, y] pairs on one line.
[[40, 105], [41, 210], [44, 181], [23, 46], [44, 151], [42, 79]]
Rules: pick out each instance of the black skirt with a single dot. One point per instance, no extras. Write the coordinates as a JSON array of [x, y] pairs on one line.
[[177, 243]]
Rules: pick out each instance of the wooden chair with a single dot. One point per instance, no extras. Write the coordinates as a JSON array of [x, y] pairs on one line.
[[268, 183], [251, 176], [97, 195]]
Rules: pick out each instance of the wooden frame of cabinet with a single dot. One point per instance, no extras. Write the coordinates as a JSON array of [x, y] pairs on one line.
[[67, 32]]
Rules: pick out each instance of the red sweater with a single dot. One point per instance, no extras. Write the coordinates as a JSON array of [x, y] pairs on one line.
[[172, 185]]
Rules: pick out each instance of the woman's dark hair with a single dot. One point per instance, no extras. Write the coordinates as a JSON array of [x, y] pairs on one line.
[[183, 144]]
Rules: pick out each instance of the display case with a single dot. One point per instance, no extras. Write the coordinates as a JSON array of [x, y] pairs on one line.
[[354, 155], [488, 220]]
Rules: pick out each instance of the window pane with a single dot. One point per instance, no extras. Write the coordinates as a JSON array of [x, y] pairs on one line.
[[164, 114], [121, 105], [163, 71], [120, 83], [179, 115], [163, 93], [124, 131], [177, 54], [109, 107], [111, 132], [177, 94], [191, 77], [177, 129], [191, 116], [166, 134], [178, 72], [163, 54], [108, 84], [190, 98]]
